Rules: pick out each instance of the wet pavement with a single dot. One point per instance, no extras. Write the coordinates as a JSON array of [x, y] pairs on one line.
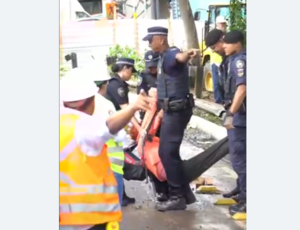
[[201, 215]]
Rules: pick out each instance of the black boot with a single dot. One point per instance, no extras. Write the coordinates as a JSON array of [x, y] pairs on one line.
[[127, 199], [236, 198], [161, 197], [240, 207], [189, 196], [174, 203], [234, 192]]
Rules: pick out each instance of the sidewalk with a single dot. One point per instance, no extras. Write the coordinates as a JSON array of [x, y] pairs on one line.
[[208, 127]]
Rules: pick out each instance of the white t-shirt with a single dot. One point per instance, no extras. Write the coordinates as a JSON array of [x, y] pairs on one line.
[[91, 134], [106, 108]]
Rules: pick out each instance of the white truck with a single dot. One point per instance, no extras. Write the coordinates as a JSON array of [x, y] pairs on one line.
[[72, 10]]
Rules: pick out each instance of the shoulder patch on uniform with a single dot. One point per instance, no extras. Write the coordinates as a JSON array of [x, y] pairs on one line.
[[240, 64], [240, 72], [121, 91], [139, 80]]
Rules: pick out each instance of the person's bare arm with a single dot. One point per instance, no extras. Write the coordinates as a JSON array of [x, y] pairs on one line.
[[185, 56], [133, 120], [122, 117], [238, 99]]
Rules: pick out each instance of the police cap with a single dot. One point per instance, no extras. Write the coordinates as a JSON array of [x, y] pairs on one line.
[[233, 37], [213, 37], [127, 62], [151, 59], [156, 30]]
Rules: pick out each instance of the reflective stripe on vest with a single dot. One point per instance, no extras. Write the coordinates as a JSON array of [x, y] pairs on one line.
[[116, 156], [84, 189], [88, 194]]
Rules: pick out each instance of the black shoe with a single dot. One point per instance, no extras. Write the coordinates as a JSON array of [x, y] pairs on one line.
[[236, 198], [174, 203], [160, 197], [240, 207], [127, 199], [125, 203], [234, 192], [190, 197]]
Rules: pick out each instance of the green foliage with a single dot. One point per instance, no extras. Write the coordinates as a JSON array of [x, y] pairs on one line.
[[62, 71], [128, 52], [238, 16]]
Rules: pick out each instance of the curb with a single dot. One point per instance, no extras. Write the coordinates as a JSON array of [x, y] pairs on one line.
[[207, 106], [206, 126]]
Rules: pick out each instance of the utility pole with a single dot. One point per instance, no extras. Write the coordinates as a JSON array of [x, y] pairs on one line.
[[192, 42]]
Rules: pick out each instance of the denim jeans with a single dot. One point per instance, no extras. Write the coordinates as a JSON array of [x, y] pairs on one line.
[[119, 179], [215, 76]]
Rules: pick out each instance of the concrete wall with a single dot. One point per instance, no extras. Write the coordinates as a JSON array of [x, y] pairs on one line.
[[95, 38]]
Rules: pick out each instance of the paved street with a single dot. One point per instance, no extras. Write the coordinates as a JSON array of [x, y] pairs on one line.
[[202, 215]]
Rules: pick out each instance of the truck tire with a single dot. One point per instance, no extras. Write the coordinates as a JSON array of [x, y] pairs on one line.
[[207, 77]]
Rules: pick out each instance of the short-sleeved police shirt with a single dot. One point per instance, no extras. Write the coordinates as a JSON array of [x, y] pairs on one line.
[[118, 90], [171, 66], [145, 82], [238, 68]]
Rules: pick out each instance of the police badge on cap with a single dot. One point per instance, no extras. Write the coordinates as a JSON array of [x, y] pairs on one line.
[[151, 59]]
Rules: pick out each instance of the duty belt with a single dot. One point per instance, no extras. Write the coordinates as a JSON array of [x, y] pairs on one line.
[[179, 104]]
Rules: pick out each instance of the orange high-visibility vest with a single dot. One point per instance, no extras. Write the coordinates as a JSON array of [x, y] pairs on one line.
[[88, 189]]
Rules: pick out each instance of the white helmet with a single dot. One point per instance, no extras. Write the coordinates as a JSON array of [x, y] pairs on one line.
[[221, 19], [99, 71], [77, 85]]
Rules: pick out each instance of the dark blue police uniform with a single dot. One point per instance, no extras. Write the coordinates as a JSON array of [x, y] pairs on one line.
[[177, 103], [117, 93], [117, 89], [233, 74], [147, 80], [237, 136]]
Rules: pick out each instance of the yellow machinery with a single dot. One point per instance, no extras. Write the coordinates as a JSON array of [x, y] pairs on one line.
[[214, 10]]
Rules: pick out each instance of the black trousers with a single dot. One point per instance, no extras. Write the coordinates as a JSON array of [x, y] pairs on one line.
[[98, 227], [171, 135]]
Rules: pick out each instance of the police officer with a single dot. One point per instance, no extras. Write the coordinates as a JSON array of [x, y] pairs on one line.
[[147, 78], [233, 75], [177, 103], [214, 40], [117, 92]]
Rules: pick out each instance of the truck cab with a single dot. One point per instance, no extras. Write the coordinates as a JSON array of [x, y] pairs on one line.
[[214, 10]]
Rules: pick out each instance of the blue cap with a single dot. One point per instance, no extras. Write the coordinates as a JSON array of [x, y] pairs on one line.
[[126, 61], [151, 59], [156, 30]]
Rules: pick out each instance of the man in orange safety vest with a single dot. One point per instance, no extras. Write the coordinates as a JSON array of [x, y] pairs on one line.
[[88, 189]]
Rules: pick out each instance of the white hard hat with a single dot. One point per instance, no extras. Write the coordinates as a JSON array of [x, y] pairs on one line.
[[99, 71], [77, 85], [221, 19]]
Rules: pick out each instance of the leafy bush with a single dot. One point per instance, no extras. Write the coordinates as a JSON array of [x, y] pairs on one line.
[[62, 71], [238, 17], [128, 52]]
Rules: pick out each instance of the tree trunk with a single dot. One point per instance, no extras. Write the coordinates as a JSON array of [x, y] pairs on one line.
[[192, 42]]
